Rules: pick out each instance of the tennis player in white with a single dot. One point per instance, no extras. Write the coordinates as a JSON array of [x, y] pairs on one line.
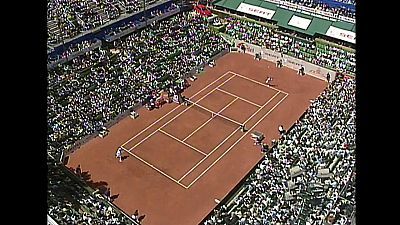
[[118, 154]]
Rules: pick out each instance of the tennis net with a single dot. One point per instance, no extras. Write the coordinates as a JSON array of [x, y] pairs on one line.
[[214, 114]]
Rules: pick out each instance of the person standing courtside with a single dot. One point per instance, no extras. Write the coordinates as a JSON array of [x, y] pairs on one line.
[[328, 77], [118, 154], [281, 130]]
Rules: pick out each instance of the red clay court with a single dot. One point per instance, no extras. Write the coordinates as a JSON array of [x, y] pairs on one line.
[[181, 158]]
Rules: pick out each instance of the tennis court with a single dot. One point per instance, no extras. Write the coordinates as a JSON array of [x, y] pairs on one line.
[[180, 158], [217, 114]]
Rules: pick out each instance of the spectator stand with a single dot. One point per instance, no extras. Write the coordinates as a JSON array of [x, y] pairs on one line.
[[201, 66], [350, 4], [139, 20], [74, 50], [72, 201], [97, 32], [304, 47], [299, 6], [305, 197], [90, 76], [288, 61], [227, 205]]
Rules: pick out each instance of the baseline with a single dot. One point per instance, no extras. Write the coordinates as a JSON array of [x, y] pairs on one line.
[[258, 82], [158, 170]]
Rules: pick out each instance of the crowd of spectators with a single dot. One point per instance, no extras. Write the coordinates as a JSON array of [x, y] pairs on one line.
[[69, 18], [71, 49], [342, 10], [133, 23], [72, 17], [70, 203], [334, 57], [92, 89], [302, 48], [276, 193]]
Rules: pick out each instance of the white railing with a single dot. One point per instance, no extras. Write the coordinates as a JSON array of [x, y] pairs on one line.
[[50, 220]]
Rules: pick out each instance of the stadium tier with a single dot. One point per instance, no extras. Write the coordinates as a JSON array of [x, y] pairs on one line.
[[111, 59]]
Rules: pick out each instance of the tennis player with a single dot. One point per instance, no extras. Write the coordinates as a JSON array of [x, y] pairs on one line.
[[268, 81], [118, 154]]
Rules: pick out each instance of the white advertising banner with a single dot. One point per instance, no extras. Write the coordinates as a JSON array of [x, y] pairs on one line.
[[347, 19], [299, 22], [341, 34], [255, 10]]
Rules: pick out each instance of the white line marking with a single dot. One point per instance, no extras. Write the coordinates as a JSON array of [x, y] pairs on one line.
[[177, 139], [243, 99], [220, 115], [194, 167], [173, 109], [173, 118], [198, 163], [258, 82], [158, 170], [209, 167], [209, 119], [123, 148], [277, 93]]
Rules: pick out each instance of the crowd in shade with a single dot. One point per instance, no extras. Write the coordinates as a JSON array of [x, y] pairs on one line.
[[308, 176], [303, 48], [71, 49], [70, 203], [341, 10], [133, 23], [92, 89], [69, 18]]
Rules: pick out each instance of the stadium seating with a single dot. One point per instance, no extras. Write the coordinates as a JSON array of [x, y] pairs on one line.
[[91, 89], [69, 18], [279, 193], [344, 8], [303, 48], [94, 88], [69, 202]]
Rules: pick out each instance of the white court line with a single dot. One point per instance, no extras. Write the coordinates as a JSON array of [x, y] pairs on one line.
[[158, 170], [198, 163], [243, 99], [195, 166], [173, 118], [177, 139], [209, 119], [258, 82], [173, 109], [209, 167], [123, 148]]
